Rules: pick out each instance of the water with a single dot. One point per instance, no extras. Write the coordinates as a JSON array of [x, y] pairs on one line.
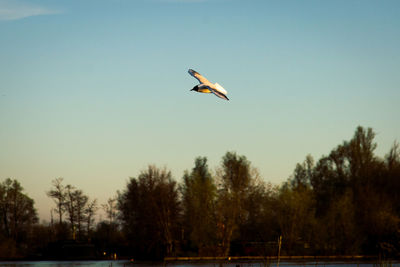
[[183, 264]]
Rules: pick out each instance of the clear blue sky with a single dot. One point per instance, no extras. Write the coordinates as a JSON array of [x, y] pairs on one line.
[[94, 91]]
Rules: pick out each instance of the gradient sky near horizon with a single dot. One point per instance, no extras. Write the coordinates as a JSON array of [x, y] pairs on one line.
[[93, 91]]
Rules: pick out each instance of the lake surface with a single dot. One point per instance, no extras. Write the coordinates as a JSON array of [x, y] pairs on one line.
[[186, 264]]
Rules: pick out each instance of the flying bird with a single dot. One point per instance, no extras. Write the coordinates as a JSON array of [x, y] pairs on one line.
[[206, 86]]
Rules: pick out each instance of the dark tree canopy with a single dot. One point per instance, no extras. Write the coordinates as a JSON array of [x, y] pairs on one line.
[[347, 202], [150, 211], [198, 202], [17, 217]]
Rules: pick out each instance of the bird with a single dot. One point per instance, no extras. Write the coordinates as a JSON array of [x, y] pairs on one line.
[[206, 86]]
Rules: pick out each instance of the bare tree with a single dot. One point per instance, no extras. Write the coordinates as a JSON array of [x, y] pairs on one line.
[[90, 211], [110, 208], [80, 207], [58, 194], [70, 206]]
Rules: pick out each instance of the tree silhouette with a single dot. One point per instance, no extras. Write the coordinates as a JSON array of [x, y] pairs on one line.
[[90, 212], [150, 211], [198, 200], [346, 202], [57, 193], [17, 215], [236, 179]]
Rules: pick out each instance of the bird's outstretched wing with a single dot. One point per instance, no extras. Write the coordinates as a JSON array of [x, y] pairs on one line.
[[218, 93], [220, 88], [198, 76]]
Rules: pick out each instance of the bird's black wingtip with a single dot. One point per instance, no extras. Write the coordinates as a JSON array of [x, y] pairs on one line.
[[192, 72]]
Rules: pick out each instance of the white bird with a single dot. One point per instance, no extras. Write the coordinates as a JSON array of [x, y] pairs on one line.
[[206, 86]]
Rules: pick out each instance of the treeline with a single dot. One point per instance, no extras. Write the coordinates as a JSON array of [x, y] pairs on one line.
[[345, 203]]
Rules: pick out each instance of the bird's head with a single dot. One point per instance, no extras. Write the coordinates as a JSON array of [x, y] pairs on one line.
[[196, 88]]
